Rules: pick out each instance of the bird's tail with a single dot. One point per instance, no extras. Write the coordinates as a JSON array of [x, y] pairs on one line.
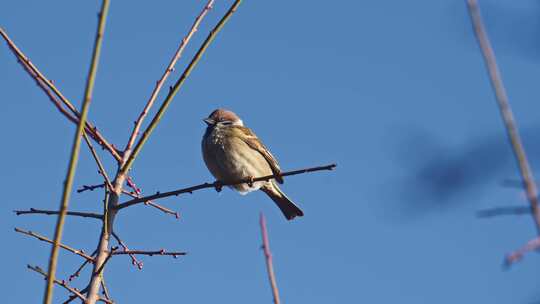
[[289, 209]]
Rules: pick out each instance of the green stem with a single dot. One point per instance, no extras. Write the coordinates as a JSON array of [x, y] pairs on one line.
[[68, 185]]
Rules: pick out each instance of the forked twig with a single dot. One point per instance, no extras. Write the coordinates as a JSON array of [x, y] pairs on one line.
[[78, 271], [62, 283], [152, 204], [73, 297], [125, 248]]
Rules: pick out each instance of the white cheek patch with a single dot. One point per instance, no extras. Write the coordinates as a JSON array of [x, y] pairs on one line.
[[238, 123]]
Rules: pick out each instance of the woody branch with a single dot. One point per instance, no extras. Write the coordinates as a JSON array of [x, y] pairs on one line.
[[218, 185], [508, 118], [65, 107], [268, 259]]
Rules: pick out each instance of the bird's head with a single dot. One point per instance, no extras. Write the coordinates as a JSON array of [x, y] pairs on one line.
[[222, 117]]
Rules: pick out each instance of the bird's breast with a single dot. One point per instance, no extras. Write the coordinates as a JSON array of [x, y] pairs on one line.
[[229, 158]]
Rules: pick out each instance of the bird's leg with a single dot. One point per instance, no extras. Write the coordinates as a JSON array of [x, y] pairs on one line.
[[250, 181], [218, 186]]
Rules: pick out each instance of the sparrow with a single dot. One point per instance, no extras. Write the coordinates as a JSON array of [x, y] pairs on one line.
[[233, 152]]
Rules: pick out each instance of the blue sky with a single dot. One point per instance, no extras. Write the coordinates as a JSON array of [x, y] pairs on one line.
[[395, 92]]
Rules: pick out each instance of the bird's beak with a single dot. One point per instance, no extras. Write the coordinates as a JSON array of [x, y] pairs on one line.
[[209, 121]]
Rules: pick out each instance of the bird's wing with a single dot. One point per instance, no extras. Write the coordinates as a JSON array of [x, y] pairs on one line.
[[255, 143]]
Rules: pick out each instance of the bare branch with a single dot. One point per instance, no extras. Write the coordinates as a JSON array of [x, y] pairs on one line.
[[90, 187], [217, 185], [44, 239], [134, 260], [105, 289], [155, 205], [174, 254], [57, 97], [35, 73], [506, 111], [268, 259], [164, 209], [161, 81], [172, 92], [101, 169], [78, 271], [51, 212], [62, 283], [73, 297]]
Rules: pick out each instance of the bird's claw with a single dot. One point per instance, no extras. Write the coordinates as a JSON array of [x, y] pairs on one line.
[[250, 181], [218, 186]]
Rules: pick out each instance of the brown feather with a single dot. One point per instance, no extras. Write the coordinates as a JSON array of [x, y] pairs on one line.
[[254, 143]]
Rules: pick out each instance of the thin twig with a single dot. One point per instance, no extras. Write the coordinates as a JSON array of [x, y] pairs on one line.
[[90, 187], [43, 84], [101, 169], [62, 283], [172, 92], [54, 212], [44, 239], [125, 248], [161, 81], [78, 271], [268, 259], [164, 209], [174, 254], [23, 59], [217, 185], [152, 204], [138, 193], [105, 289], [518, 254], [133, 186], [75, 153], [47, 85], [492, 212], [506, 111], [73, 297]]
